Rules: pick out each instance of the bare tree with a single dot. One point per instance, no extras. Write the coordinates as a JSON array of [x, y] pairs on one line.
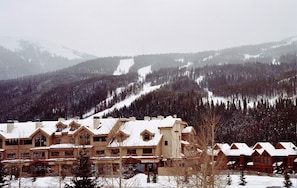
[[206, 171]]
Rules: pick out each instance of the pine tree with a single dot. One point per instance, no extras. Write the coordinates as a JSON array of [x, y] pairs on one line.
[[242, 179], [229, 179], [2, 175], [82, 173], [287, 183]]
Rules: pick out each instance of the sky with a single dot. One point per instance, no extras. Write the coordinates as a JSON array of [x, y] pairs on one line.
[[135, 27]]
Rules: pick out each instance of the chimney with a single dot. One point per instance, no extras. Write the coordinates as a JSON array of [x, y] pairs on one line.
[[147, 118], [38, 124], [96, 122], [132, 118], [10, 126], [160, 117]]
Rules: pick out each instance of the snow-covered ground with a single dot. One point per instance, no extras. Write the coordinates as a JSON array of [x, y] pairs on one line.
[[140, 180]]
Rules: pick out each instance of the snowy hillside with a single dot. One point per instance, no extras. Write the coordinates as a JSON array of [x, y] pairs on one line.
[[124, 66], [20, 57]]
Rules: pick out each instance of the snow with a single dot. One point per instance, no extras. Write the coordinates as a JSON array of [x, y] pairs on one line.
[[186, 65], [143, 72], [207, 58], [147, 88], [248, 56], [124, 66], [140, 180], [289, 42], [199, 79], [16, 44]]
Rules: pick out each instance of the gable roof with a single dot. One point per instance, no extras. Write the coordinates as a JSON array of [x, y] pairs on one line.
[[136, 127]]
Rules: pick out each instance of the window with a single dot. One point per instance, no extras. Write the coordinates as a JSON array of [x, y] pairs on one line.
[[99, 138], [12, 142], [166, 143], [68, 153], [11, 156], [25, 155], [266, 160], [38, 154], [131, 151], [58, 141], [27, 142], [147, 151], [115, 152], [55, 153], [40, 140], [257, 160], [84, 139], [100, 153], [146, 137]]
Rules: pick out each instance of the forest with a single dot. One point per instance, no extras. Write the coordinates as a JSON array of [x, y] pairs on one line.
[[259, 99]]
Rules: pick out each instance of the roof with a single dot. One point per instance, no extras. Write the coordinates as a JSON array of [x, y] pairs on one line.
[[237, 149], [135, 129], [27, 129], [260, 147]]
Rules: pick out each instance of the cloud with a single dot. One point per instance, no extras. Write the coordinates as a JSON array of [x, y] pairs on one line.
[[131, 27]]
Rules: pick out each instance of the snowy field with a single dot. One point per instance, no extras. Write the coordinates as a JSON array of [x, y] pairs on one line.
[[140, 180]]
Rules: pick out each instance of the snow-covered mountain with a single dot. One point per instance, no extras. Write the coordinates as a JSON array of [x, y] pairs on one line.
[[21, 57]]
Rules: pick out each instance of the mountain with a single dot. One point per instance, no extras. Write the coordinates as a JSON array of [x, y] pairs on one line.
[[252, 88], [19, 57]]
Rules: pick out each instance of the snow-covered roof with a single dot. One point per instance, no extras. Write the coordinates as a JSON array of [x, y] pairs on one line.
[[134, 130], [223, 147], [188, 129], [290, 147], [260, 147], [237, 149], [14, 130]]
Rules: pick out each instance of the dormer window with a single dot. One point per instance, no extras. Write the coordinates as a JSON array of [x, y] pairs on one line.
[[74, 126], [147, 135], [60, 126]]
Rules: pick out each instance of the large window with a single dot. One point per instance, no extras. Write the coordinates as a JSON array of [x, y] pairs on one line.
[[40, 140], [147, 151], [84, 138], [99, 138], [38, 155], [12, 142]]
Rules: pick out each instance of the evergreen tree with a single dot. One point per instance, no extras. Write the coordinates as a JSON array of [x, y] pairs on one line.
[[229, 179], [242, 179], [2, 175], [287, 183], [82, 173]]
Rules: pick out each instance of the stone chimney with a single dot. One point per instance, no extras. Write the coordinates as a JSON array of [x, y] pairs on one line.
[[96, 122], [10, 126]]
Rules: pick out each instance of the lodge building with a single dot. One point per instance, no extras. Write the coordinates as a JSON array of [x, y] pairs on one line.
[[53, 145], [151, 144]]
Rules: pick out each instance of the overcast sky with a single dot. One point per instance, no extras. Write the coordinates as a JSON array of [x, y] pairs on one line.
[[133, 27]]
